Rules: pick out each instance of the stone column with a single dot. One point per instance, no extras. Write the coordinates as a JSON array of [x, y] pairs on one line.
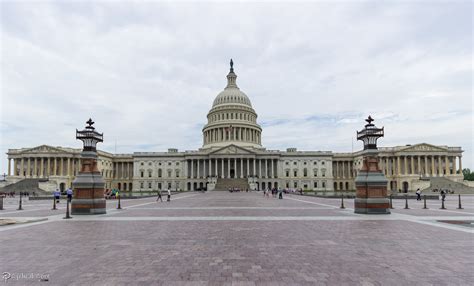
[[460, 165], [398, 166], [248, 166], [10, 168], [198, 168], [55, 165], [254, 167], [22, 166], [14, 166], [454, 165], [192, 169], [419, 164], [205, 169], [405, 165], [426, 165], [235, 167], [440, 167], [412, 165], [222, 167], [28, 168], [273, 170], [69, 167], [260, 168], [241, 160], [228, 168], [49, 166], [216, 169], [61, 163], [432, 166], [41, 167]]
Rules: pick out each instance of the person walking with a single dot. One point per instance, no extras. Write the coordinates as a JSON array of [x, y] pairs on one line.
[[443, 195], [57, 195], [418, 194], [159, 196], [169, 195], [69, 194], [280, 194]]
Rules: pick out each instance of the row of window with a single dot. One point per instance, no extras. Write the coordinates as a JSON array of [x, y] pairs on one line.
[[306, 186], [227, 116], [160, 173], [305, 172], [305, 163], [149, 185], [159, 163]]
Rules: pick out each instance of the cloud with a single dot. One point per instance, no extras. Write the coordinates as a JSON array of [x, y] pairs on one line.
[[148, 72]]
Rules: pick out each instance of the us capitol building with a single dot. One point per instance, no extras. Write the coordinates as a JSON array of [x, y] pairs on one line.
[[232, 155]]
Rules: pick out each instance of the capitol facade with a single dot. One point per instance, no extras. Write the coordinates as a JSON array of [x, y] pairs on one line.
[[232, 155]]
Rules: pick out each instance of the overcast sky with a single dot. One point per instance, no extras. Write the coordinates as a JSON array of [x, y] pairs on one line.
[[147, 73]]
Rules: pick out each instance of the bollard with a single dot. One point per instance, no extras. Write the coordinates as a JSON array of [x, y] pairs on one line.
[[442, 205], [20, 202], [119, 207], [342, 202], [54, 204], [391, 206], [67, 210], [459, 205], [406, 202], [424, 202]]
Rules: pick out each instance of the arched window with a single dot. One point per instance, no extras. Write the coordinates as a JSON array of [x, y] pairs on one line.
[[305, 172], [160, 173]]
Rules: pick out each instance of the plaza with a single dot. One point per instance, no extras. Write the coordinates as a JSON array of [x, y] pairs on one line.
[[222, 238]]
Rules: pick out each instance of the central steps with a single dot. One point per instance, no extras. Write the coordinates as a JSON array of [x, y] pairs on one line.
[[226, 184]]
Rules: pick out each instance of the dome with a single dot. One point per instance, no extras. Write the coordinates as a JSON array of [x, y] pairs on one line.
[[231, 94]]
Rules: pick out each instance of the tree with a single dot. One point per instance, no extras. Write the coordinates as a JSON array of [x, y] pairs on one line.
[[468, 175]]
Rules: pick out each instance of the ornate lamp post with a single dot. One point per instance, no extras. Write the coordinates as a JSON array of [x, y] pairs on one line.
[[371, 184], [88, 185]]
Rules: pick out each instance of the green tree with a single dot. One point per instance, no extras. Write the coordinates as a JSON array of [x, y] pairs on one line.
[[468, 175]]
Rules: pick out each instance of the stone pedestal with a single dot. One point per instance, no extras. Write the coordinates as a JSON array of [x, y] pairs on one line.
[[88, 188], [371, 185]]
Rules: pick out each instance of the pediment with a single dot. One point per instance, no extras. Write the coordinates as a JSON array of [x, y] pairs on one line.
[[232, 150], [424, 147], [43, 149]]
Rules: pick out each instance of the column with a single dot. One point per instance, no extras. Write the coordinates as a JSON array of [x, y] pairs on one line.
[[10, 168], [432, 166], [22, 167], [14, 167], [222, 167], [419, 164], [198, 168], [273, 170], [61, 163], [216, 169], [241, 160], [398, 166], [254, 167], [69, 167], [228, 167], [204, 173], [192, 169], [260, 168], [426, 165], [248, 165], [440, 166], [42, 167], [460, 165], [412, 164], [49, 167], [405, 165], [448, 171], [55, 165], [454, 165]]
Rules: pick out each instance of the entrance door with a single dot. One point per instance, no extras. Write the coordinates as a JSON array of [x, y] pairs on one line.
[[62, 187], [232, 173]]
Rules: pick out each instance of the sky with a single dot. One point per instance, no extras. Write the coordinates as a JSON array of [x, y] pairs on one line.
[[148, 72]]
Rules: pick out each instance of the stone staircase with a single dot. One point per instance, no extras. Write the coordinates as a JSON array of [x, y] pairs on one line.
[[226, 184], [444, 183], [25, 185]]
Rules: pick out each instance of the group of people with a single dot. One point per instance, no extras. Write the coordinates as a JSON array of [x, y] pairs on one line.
[[237, 190], [57, 195], [159, 198], [275, 192], [12, 194]]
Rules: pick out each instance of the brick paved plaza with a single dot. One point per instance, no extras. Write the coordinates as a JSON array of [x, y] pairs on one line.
[[221, 238]]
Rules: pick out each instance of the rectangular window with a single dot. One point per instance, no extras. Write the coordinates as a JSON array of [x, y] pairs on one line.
[[159, 186], [315, 184], [177, 174], [295, 173], [141, 185], [141, 174], [149, 185], [287, 173]]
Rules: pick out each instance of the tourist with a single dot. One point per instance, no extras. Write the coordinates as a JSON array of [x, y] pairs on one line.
[[443, 195], [69, 194], [280, 193], [169, 195], [264, 193], [159, 196], [418, 194], [57, 195]]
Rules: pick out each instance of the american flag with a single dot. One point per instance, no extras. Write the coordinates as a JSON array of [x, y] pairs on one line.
[[228, 129]]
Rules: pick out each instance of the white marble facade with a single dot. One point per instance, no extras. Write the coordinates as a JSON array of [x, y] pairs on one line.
[[232, 149]]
